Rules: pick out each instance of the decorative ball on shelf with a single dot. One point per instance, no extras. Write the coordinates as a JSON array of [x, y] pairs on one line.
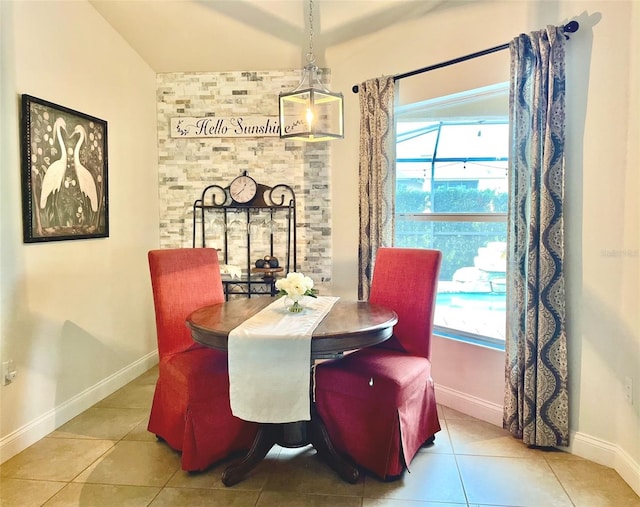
[[267, 258], [273, 262], [261, 263]]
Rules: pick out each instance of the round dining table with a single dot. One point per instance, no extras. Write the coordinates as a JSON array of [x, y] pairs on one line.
[[348, 326]]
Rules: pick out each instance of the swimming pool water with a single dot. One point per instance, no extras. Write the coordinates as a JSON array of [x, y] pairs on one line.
[[481, 315], [487, 301]]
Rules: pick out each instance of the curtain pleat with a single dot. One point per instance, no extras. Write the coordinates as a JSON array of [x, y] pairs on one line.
[[536, 405], [377, 174]]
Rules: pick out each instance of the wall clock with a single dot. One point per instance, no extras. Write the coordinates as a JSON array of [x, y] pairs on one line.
[[243, 189]]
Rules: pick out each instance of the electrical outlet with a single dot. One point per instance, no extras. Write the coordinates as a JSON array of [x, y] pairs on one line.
[[8, 372], [628, 390]]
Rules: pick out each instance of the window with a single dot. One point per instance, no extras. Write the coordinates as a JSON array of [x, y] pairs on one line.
[[451, 195]]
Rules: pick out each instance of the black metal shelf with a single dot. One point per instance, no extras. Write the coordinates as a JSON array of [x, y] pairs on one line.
[[273, 203]]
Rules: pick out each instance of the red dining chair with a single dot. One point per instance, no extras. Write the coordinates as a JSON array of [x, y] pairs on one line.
[[191, 409], [378, 404]]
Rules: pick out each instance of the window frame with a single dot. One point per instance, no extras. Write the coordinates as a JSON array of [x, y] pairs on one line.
[[452, 217]]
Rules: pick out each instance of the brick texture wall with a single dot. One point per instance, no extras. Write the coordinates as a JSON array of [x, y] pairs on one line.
[[188, 165]]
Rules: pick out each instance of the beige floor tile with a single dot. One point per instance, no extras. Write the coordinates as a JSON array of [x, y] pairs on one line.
[[291, 499], [184, 497], [103, 495], [558, 454], [212, 478], [130, 396], [23, 492], [451, 414], [140, 432], [526, 482], [369, 502], [106, 457], [433, 478], [134, 464], [55, 459], [484, 439], [591, 485], [150, 377], [442, 443], [102, 423], [300, 470]]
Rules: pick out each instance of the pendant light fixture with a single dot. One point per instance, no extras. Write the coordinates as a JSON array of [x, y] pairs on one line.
[[311, 112]]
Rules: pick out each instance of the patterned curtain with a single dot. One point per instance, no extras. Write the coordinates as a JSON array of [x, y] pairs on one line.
[[377, 174], [536, 407]]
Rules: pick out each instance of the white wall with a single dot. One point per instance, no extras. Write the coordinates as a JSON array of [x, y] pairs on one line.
[[77, 316], [602, 228]]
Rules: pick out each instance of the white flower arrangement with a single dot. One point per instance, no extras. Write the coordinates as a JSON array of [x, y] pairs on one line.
[[296, 285]]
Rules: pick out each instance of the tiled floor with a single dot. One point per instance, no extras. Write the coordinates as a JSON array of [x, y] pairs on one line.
[[105, 457]]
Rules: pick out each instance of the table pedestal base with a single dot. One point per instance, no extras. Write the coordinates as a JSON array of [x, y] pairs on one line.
[[298, 434]]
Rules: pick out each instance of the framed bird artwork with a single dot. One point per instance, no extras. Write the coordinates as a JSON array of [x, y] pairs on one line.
[[64, 173]]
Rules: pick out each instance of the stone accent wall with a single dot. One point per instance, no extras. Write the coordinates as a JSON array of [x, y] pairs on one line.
[[187, 166]]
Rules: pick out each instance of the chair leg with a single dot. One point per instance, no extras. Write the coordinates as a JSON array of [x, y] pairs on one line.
[[429, 441]]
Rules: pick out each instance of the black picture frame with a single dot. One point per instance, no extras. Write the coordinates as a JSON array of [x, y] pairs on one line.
[[64, 173]]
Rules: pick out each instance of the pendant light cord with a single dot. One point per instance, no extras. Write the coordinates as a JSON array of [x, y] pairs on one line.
[[311, 112], [310, 56]]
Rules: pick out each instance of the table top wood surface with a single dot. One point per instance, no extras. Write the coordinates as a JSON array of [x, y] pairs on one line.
[[349, 325]]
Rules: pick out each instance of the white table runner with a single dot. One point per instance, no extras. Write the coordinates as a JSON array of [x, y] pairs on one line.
[[270, 361]]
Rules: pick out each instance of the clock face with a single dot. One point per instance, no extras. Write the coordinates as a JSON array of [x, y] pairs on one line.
[[243, 189]]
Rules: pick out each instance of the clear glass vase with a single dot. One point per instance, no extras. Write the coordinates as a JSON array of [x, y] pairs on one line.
[[293, 304], [296, 307]]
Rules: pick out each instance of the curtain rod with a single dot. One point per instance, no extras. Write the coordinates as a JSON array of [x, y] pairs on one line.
[[570, 27]]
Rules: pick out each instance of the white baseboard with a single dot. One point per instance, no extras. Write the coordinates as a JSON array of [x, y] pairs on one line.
[[470, 405], [583, 445], [607, 454], [40, 427]]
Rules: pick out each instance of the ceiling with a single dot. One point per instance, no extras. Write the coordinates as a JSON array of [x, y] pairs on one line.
[[219, 35]]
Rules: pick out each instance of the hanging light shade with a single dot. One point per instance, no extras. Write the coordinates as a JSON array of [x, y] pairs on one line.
[[311, 112]]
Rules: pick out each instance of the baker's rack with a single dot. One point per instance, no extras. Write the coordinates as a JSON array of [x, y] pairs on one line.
[[277, 203]]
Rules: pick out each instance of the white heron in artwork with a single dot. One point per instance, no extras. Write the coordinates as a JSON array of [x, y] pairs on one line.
[[85, 179], [55, 173]]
